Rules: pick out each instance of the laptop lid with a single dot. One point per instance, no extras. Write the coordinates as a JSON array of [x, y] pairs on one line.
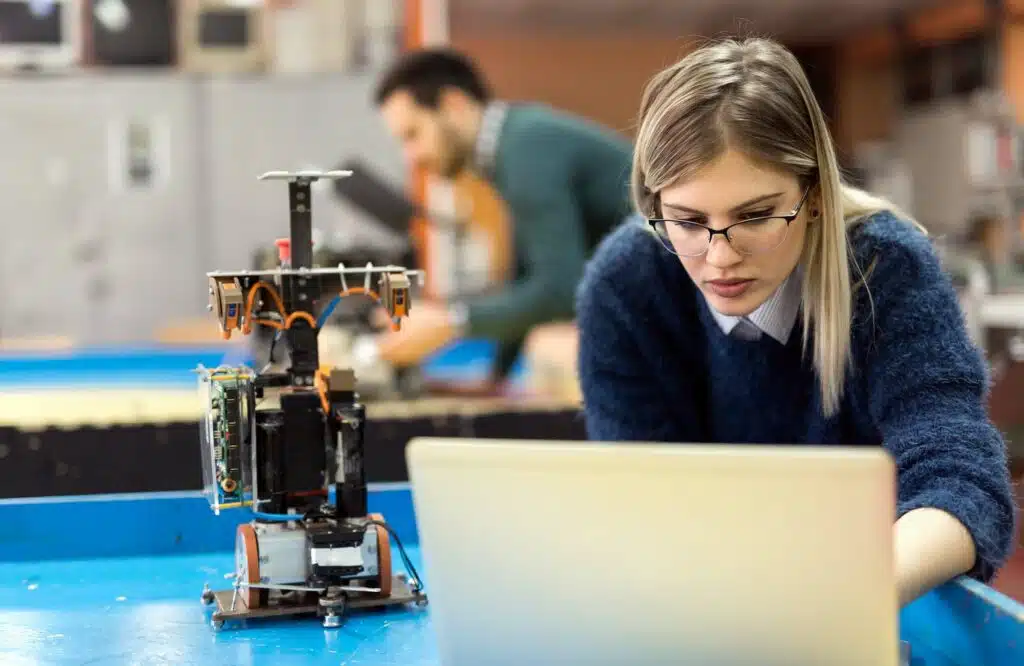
[[586, 553]]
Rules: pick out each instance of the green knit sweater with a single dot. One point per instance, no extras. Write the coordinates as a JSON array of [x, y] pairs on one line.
[[565, 183]]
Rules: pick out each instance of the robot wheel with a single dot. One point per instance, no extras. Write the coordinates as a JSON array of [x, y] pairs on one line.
[[383, 554], [247, 565]]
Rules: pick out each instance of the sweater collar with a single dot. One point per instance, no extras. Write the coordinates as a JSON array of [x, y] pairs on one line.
[[486, 149], [775, 317]]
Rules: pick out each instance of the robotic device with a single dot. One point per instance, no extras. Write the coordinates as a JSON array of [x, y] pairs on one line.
[[288, 445]]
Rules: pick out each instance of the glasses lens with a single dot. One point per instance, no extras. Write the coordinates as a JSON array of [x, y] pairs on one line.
[[760, 235], [684, 238]]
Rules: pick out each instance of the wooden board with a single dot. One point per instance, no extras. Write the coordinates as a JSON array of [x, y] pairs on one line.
[[75, 408], [402, 594]]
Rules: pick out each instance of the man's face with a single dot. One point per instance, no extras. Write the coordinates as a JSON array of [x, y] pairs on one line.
[[429, 138]]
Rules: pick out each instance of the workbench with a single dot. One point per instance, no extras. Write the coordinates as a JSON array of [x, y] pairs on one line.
[[64, 416], [110, 578], [75, 591]]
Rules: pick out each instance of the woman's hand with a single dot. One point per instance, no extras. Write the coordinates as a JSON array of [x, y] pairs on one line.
[[931, 547]]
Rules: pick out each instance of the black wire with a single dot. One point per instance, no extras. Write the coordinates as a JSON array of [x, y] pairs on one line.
[[270, 352], [416, 583], [273, 343]]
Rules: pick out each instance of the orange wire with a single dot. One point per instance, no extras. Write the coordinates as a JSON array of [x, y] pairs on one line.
[[320, 379], [299, 315], [351, 291], [250, 301]]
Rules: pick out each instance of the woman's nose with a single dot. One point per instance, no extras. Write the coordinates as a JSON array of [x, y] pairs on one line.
[[721, 253]]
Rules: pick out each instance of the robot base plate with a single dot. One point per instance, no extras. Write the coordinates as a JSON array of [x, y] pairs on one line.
[[401, 593]]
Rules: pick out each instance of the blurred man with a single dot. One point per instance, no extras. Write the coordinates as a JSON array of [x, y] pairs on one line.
[[563, 179]]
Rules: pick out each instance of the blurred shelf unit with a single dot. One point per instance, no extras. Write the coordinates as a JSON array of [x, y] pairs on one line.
[[315, 36], [948, 69], [40, 35], [964, 156], [130, 33], [223, 36], [285, 37]]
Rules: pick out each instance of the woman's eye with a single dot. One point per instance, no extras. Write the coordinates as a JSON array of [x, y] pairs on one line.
[[757, 213]]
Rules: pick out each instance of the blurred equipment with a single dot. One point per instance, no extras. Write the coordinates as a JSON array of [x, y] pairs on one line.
[[40, 34], [131, 33], [968, 185], [394, 210], [785, 513], [223, 36], [315, 35], [376, 197], [348, 326], [964, 154], [288, 444]]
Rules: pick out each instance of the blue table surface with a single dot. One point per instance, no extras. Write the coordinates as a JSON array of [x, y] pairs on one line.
[[66, 598], [165, 366], [146, 611]]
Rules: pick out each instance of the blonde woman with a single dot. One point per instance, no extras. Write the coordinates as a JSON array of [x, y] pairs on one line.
[[766, 302]]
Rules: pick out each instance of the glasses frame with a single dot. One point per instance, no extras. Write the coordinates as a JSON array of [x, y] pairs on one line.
[[788, 218]]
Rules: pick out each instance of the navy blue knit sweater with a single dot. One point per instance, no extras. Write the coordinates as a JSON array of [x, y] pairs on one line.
[[655, 366]]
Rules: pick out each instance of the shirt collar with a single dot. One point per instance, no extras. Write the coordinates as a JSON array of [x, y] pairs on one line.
[[486, 148], [775, 317]]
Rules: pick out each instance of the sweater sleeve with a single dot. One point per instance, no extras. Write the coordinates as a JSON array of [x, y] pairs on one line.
[[927, 389], [549, 233], [624, 397]]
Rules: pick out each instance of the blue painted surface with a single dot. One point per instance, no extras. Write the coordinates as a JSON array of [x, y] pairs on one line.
[[148, 524], [171, 367], [140, 366], [59, 607], [146, 612]]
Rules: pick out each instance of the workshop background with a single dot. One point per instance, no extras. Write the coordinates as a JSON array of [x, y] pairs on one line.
[[132, 133]]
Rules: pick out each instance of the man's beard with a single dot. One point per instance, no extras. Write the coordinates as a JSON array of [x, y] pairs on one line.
[[460, 156]]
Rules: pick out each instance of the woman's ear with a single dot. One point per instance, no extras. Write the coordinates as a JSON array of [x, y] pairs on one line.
[[814, 203]]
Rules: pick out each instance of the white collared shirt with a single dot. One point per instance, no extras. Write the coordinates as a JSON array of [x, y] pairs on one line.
[[486, 147], [776, 317]]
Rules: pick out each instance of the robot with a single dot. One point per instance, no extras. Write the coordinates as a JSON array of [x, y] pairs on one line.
[[287, 444], [348, 329]]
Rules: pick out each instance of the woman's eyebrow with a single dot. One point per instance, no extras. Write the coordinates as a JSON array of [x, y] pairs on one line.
[[750, 202]]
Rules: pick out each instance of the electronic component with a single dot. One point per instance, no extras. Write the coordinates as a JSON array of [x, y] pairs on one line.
[[227, 397], [288, 445], [395, 295]]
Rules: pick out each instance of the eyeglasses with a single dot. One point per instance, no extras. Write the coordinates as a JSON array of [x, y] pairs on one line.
[[752, 235]]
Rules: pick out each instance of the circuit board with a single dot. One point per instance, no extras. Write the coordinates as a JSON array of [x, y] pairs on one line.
[[227, 395]]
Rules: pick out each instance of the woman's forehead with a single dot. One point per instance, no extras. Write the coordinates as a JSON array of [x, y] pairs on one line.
[[729, 181]]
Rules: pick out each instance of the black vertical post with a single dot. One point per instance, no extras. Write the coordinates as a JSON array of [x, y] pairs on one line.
[[299, 291], [902, 52], [995, 20], [301, 222]]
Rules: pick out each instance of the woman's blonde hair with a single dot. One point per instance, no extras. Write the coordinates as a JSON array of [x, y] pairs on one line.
[[752, 95]]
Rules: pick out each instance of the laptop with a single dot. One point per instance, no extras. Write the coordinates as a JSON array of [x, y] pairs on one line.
[[543, 552]]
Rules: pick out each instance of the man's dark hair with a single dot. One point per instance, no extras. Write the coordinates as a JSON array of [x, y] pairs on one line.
[[426, 72]]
